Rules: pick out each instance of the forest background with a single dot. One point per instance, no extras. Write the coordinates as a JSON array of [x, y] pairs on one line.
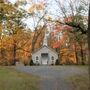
[[23, 24]]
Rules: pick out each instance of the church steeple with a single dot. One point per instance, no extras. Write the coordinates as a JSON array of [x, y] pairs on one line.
[[45, 39]]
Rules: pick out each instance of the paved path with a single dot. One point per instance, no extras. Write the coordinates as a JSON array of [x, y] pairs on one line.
[[54, 77]]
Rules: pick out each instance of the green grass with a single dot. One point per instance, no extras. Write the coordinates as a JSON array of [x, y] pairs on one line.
[[80, 82], [10, 79]]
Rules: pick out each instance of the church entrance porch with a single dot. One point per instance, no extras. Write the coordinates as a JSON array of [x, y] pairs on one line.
[[44, 58]]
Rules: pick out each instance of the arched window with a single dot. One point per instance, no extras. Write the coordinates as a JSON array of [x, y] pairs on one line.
[[36, 57], [52, 57], [37, 60]]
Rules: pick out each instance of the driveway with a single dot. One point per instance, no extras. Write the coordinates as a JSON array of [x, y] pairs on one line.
[[54, 77]]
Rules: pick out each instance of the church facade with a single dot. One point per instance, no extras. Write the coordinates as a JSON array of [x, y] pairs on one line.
[[45, 55]]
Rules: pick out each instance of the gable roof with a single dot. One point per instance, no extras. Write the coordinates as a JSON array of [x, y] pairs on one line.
[[46, 47]]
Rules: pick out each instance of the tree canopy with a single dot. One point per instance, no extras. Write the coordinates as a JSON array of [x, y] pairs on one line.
[[24, 22]]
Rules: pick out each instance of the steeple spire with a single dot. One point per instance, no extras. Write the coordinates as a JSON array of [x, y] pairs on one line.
[[45, 39]]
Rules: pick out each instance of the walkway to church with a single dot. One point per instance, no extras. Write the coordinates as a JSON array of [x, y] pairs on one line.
[[54, 77]]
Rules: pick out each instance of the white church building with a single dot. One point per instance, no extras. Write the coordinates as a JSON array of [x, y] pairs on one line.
[[45, 55]]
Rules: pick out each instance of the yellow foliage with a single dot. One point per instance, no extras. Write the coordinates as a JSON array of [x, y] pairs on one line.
[[21, 0], [0, 27], [40, 6], [37, 7]]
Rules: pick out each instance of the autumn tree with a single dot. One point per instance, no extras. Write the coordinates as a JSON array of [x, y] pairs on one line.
[[76, 12], [75, 18], [25, 27], [38, 13], [89, 37], [11, 23]]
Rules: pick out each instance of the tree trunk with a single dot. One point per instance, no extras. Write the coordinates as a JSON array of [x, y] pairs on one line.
[[59, 55], [89, 40], [89, 32], [2, 51], [34, 40], [82, 55], [3, 54], [36, 35], [33, 44], [1, 47], [76, 53], [14, 54]]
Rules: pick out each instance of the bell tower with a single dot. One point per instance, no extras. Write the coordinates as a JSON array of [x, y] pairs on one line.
[[45, 39]]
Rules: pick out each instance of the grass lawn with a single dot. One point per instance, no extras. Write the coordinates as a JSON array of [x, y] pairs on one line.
[[80, 82], [10, 79]]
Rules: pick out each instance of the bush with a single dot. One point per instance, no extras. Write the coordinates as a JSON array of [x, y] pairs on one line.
[[57, 62], [13, 62], [69, 62], [25, 62], [4, 62], [31, 63], [52, 64]]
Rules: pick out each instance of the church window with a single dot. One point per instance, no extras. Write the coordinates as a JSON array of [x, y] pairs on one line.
[[37, 62], [36, 57], [52, 60], [52, 57]]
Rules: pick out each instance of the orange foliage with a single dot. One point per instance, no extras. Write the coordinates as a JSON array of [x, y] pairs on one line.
[[68, 55], [58, 43], [39, 6], [58, 28]]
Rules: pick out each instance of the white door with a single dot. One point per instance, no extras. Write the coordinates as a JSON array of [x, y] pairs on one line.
[[44, 58]]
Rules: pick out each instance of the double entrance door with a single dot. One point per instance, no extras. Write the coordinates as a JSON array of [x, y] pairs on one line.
[[44, 58]]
